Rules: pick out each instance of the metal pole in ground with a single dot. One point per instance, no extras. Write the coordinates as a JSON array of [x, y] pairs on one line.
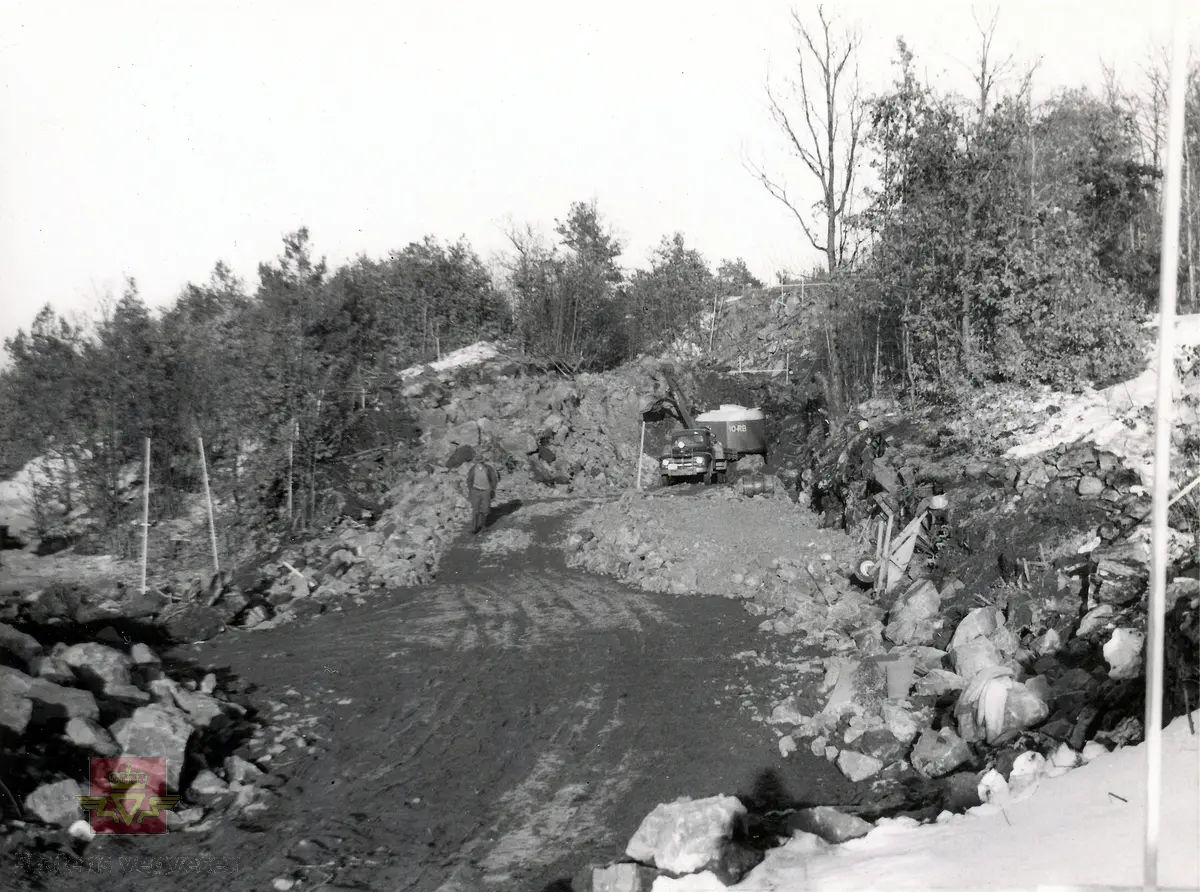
[[212, 526], [145, 513], [641, 451], [1167, 285]]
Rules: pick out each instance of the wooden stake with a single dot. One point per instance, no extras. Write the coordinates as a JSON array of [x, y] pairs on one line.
[[145, 513], [212, 526], [885, 564]]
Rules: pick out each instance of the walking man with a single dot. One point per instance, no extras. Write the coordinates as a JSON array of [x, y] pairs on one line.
[[482, 480]]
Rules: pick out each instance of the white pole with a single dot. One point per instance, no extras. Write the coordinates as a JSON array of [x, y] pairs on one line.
[[1167, 285], [212, 526], [145, 513], [641, 451], [291, 454]]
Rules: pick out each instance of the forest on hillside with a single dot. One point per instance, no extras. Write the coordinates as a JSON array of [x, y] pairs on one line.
[[967, 241]]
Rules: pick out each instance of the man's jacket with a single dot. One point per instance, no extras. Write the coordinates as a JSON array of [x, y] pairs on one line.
[[482, 476]]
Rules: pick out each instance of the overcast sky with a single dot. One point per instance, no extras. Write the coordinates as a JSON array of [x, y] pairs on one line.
[[152, 138]]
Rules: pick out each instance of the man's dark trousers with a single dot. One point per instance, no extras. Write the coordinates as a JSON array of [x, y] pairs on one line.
[[481, 507]]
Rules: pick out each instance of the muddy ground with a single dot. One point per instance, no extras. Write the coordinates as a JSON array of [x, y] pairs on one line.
[[499, 729]]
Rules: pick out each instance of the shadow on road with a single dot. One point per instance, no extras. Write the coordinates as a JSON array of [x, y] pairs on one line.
[[501, 511]]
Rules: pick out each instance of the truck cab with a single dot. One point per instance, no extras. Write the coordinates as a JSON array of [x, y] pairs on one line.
[[693, 453]]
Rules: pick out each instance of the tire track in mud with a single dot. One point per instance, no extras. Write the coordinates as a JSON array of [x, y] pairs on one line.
[[550, 824], [526, 611]]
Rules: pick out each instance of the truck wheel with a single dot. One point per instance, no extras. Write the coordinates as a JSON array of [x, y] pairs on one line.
[[708, 477], [665, 479], [721, 476]]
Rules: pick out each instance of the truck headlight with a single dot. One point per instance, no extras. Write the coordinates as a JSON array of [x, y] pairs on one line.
[[704, 459], [663, 462]]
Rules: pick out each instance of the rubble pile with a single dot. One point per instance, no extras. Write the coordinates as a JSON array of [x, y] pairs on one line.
[[719, 541], [1020, 681], [578, 435], [61, 703], [1011, 649]]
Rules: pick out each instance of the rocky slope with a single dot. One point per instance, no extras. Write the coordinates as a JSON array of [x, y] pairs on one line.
[[62, 702]]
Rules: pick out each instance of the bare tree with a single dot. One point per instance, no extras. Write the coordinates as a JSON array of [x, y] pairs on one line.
[[988, 72], [821, 115], [1152, 109]]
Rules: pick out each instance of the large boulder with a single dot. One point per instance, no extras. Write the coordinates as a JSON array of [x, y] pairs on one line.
[[915, 619], [460, 456], [938, 753], [201, 708], [18, 646], [975, 656], [995, 704], [56, 702], [209, 790], [192, 623], [91, 738], [56, 601], [687, 836], [56, 803], [51, 668], [144, 604], [156, 731], [98, 667], [857, 766], [15, 708], [828, 823]]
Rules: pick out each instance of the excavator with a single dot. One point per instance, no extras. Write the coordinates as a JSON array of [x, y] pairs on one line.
[[706, 446]]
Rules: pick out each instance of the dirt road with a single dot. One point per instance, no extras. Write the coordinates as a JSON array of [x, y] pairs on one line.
[[497, 730]]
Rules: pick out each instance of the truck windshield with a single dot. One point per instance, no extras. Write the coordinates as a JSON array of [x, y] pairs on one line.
[[689, 440]]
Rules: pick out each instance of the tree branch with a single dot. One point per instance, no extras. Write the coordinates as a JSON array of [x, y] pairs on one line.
[[779, 192]]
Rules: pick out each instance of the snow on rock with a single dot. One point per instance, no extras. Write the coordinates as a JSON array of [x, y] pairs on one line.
[[1110, 418], [1123, 652], [697, 882], [1069, 831], [686, 835], [471, 355], [830, 824]]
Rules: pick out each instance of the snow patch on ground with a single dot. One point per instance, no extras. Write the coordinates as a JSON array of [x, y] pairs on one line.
[[1073, 830], [476, 353], [1114, 418]]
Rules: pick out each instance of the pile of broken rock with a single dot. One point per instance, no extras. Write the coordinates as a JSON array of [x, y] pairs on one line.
[[719, 541], [994, 698], [63, 704], [576, 435]]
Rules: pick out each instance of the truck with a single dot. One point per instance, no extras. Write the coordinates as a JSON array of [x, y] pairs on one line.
[[707, 446], [694, 452]]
